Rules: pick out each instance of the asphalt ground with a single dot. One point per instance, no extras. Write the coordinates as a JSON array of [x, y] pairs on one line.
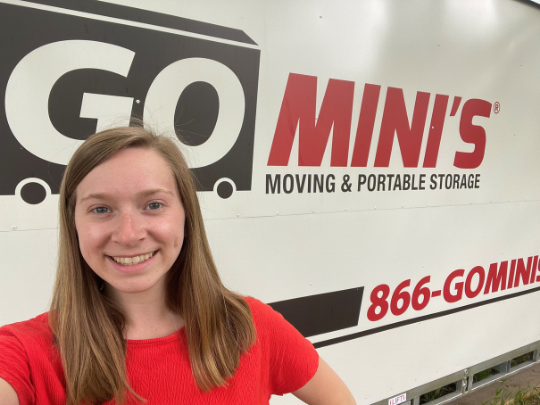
[[528, 377]]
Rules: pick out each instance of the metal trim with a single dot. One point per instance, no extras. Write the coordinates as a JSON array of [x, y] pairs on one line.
[[463, 378]]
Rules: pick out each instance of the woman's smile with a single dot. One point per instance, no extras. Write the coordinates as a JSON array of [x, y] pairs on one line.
[[133, 264], [130, 260]]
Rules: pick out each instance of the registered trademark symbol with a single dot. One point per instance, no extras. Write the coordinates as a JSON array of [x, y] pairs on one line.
[[496, 107]]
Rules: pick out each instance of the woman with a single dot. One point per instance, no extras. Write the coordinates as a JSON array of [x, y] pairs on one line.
[[139, 312]]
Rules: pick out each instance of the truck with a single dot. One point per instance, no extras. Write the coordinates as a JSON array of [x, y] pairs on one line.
[[368, 168]]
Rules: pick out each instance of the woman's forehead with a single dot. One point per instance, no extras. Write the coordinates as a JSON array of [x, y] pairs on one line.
[[130, 171]]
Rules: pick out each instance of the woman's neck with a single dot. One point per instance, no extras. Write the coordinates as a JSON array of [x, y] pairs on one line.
[[147, 314]]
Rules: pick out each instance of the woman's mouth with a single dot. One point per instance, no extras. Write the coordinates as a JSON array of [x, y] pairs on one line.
[[129, 261]]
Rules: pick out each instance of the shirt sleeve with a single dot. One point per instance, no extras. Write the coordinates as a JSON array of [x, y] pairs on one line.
[[14, 367], [293, 359]]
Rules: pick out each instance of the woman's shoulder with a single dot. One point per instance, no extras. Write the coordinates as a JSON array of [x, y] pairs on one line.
[[253, 303], [29, 361], [32, 330], [292, 359], [265, 317], [258, 308]]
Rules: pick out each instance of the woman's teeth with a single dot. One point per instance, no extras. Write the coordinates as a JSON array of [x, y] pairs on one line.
[[128, 261]]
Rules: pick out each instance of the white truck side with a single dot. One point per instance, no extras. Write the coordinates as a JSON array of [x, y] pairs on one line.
[[370, 168]]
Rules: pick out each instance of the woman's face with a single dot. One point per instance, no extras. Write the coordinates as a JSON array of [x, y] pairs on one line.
[[130, 220]]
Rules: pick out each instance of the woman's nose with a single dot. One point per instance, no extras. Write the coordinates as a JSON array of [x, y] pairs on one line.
[[129, 229]]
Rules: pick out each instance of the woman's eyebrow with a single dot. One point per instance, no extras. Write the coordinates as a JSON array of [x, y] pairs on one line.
[[144, 193], [98, 196]]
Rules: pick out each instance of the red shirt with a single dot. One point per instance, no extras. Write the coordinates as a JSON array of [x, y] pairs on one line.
[[280, 361]]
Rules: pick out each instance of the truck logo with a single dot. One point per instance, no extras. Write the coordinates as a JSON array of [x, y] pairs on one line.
[[298, 114], [199, 85]]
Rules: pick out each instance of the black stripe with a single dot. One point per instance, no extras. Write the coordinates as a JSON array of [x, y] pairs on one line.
[[373, 331], [322, 313], [149, 17]]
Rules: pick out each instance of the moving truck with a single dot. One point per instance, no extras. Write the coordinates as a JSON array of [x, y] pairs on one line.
[[369, 168]]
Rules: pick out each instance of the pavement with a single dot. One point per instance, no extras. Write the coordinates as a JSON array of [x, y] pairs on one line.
[[529, 376]]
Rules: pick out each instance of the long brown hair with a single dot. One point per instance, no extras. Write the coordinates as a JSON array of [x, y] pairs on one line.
[[88, 327]]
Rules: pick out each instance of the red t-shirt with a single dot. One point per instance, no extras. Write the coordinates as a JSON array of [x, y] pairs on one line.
[[280, 361]]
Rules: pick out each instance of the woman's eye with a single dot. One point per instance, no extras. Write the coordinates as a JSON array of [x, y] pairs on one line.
[[101, 210], [154, 206]]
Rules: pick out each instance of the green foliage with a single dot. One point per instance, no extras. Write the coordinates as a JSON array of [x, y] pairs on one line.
[[482, 375], [521, 359], [524, 396], [437, 393]]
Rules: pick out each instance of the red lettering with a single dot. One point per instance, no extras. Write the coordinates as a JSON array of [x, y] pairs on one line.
[[512, 272], [474, 134], [400, 295], [298, 110], [378, 301], [496, 280], [435, 130], [364, 132], [395, 120], [447, 294], [298, 114], [455, 105], [421, 291], [469, 292], [533, 272], [523, 273]]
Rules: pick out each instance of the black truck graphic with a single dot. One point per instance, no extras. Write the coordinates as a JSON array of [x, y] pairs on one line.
[[66, 64]]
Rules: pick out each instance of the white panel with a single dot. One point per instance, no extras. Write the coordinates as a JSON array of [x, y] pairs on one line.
[[282, 257], [27, 273]]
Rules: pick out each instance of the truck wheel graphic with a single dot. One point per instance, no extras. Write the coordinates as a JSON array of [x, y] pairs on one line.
[[33, 190], [224, 187]]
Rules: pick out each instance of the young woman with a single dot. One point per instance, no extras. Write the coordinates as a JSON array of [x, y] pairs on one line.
[[139, 314]]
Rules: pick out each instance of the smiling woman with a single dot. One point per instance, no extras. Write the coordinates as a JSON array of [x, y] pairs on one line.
[[130, 222], [139, 312]]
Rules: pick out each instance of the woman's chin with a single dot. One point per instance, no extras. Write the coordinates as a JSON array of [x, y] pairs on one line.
[[133, 287]]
